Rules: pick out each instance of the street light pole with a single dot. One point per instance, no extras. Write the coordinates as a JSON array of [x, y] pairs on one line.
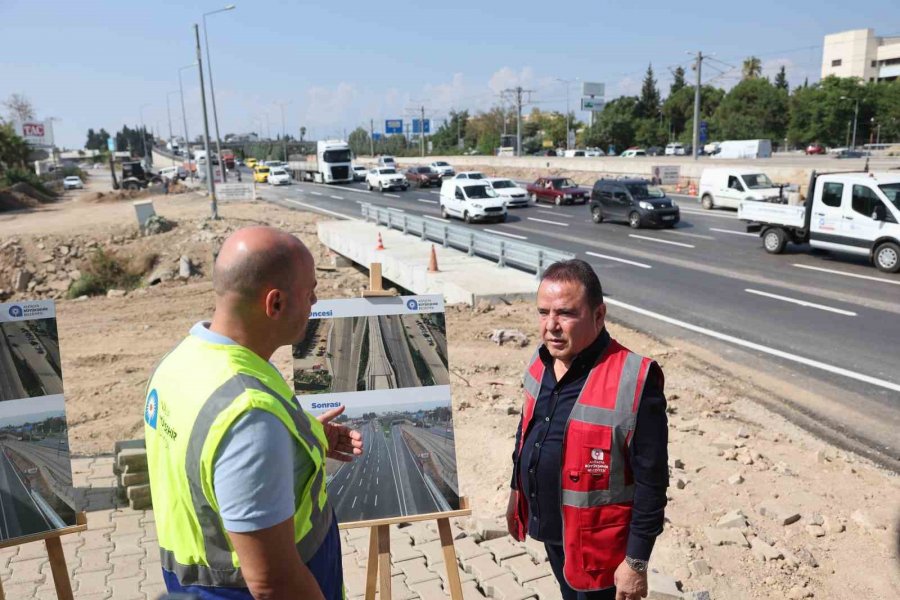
[[212, 91], [187, 139], [855, 118], [144, 134], [283, 134], [210, 182], [567, 82]]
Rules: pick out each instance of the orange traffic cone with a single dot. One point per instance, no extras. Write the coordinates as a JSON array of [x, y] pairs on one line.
[[432, 261], [380, 245]]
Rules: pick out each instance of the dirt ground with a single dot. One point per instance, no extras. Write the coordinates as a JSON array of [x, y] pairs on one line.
[[844, 544]]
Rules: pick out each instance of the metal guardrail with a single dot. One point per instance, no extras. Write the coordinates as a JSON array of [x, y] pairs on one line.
[[528, 257]]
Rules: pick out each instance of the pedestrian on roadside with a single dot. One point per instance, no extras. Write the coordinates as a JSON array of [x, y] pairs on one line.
[[165, 185], [237, 468], [590, 464]]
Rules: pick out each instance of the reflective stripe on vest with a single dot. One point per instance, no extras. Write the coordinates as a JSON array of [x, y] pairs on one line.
[[221, 571]]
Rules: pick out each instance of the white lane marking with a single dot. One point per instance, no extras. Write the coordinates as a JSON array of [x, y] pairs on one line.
[[396, 209], [338, 197], [621, 260], [361, 191], [653, 239], [512, 235], [686, 234], [340, 490], [392, 195], [321, 210], [731, 231], [426, 200], [436, 219], [314, 193], [432, 192], [836, 272], [548, 222], [354, 501], [555, 213], [706, 213], [360, 482], [802, 302], [759, 347], [376, 499]]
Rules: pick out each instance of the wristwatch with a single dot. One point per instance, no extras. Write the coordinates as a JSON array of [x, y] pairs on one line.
[[636, 564]]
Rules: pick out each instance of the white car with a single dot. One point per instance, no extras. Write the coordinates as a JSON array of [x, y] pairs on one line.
[[73, 182], [674, 149], [443, 167], [172, 173], [359, 173], [471, 201], [633, 153], [386, 178], [278, 176], [387, 161], [509, 190], [469, 175]]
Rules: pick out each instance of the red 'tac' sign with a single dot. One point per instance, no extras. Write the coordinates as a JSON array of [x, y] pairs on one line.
[[33, 129]]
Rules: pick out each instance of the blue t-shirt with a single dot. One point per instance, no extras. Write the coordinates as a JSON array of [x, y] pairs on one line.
[[251, 488]]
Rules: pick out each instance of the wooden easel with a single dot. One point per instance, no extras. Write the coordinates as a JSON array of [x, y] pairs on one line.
[[378, 568], [55, 553]]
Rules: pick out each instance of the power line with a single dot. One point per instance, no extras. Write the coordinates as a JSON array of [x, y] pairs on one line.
[[517, 93]]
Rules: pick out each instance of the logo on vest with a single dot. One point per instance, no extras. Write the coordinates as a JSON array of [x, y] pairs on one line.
[[599, 463], [151, 410]]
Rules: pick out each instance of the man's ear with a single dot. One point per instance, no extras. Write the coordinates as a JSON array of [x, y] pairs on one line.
[[600, 314]]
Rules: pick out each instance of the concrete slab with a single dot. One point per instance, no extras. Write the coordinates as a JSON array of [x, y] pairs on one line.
[[461, 279]]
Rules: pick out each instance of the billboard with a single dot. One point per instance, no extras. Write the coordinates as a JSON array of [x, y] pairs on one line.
[[417, 125], [593, 104], [392, 126], [666, 174], [385, 359], [35, 467], [593, 89], [35, 133]]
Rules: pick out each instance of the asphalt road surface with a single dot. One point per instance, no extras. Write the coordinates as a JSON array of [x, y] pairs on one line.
[[826, 323], [19, 515], [50, 455], [11, 387], [398, 351], [380, 374], [385, 482], [34, 355]]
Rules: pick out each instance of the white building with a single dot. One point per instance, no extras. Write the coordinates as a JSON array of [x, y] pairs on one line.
[[860, 53]]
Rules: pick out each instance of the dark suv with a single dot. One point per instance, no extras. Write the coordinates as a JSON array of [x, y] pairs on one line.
[[636, 201], [423, 176]]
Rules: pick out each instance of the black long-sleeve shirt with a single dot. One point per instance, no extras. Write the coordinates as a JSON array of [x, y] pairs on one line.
[[539, 466]]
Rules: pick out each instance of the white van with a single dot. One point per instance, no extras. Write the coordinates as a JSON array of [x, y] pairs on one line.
[[727, 187], [471, 200], [675, 149]]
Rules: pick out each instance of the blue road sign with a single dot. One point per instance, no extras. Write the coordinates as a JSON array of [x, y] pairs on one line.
[[417, 125], [377, 136], [393, 126], [111, 144], [704, 131]]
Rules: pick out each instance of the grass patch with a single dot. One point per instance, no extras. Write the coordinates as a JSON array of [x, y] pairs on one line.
[[106, 271]]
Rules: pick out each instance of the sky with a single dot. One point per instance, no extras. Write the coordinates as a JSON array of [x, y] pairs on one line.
[[333, 66], [30, 410]]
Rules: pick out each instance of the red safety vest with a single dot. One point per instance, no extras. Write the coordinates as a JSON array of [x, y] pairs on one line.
[[597, 483]]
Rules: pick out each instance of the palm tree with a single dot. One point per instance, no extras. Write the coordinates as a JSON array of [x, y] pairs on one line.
[[752, 68]]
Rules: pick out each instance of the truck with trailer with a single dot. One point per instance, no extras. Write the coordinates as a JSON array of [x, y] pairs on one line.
[[853, 212], [331, 163]]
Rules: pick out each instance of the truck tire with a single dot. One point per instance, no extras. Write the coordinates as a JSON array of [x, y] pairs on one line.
[[887, 257], [634, 220], [369, 186], [131, 185], [467, 217], [534, 198], [707, 202], [558, 200], [596, 214], [444, 213], [774, 240]]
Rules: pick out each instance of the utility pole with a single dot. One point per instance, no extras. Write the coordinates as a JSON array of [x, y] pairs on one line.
[[696, 138], [210, 182], [187, 139], [283, 134], [372, 137], [212, 90], [517, 94], [422, 130]]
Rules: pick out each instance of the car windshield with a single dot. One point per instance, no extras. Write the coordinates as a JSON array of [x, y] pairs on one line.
[[336, 156], [563, 183], [424, 170], [441, 163], [359, 168], [388, 171], [477, 192], [475, 176], [263, 170], [892, 191], [503, 183], [758, 181], [642, 191], [72, 179], [277, 172]]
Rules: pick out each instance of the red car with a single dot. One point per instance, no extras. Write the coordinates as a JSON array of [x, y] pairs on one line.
[[558, 190], [815, 149]]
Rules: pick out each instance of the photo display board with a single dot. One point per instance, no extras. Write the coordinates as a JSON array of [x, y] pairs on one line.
[[35, 466], [385, 359]]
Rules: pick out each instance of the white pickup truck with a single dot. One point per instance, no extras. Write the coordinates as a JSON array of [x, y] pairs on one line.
[[857, 213]]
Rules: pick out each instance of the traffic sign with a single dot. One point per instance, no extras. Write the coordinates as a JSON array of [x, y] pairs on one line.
[[593, 89], [377, 136], [704, 131], [392, 126], [593, 104], [111, 144], [417, 125]]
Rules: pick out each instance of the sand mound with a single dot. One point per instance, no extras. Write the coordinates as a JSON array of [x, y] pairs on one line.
[[115, 196], [11, 200], [29, 190]]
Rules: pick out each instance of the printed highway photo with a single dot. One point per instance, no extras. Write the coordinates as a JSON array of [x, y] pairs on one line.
[[29, 359]]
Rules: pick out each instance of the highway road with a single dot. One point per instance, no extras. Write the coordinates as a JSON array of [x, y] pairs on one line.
[[19, 514], [398, 351], [11, 387], [379, 372], [818, 329], [46, 453], [31, 351], [415, 332], [385, 482]]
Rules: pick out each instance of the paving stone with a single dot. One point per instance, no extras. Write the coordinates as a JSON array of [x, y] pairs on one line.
[[19, 590], [536, 550], [489, 530], [726, 537], [357, 533], [92, 560], [30, 551], [778, 511], [505, 587], [524, 569], [93, 582], [662, 587], [699, 567], [135, 458], [398, 536], [27, 571], [354, 579], [416, 571], [402, 553], [433, 552], [763, 550], [467, 549], [421, 533], [471, 592], [733, 519], [153, 590], [399, 589], [484, 568], [124, 567], [127, 589], [127, 545], [428, 590], [503, 549], [546, 588], [463, 576]]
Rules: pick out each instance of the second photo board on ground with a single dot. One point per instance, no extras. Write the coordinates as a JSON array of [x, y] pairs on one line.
[[385, 359]]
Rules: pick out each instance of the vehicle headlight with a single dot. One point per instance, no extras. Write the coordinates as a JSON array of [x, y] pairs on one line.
[[479, 206], [645, 205], [567, 196], [674, 204]]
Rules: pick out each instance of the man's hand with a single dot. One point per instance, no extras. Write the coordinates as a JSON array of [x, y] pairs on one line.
[[630, 585], [343, 443], [511, 508]]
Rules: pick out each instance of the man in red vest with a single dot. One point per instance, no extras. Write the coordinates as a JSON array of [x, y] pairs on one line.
[[590, 465]]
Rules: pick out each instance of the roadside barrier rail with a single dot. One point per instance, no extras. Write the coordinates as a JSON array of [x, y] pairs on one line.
[[525, 256]]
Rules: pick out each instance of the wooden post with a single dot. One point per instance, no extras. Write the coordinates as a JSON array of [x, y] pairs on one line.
[[450, 558], [371, 567], [384, 560], [376, 286], [59, 569]]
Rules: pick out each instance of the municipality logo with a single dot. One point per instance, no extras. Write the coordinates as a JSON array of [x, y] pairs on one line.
[[152, 409], [16, 311], [411, 304], [597, 453]]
